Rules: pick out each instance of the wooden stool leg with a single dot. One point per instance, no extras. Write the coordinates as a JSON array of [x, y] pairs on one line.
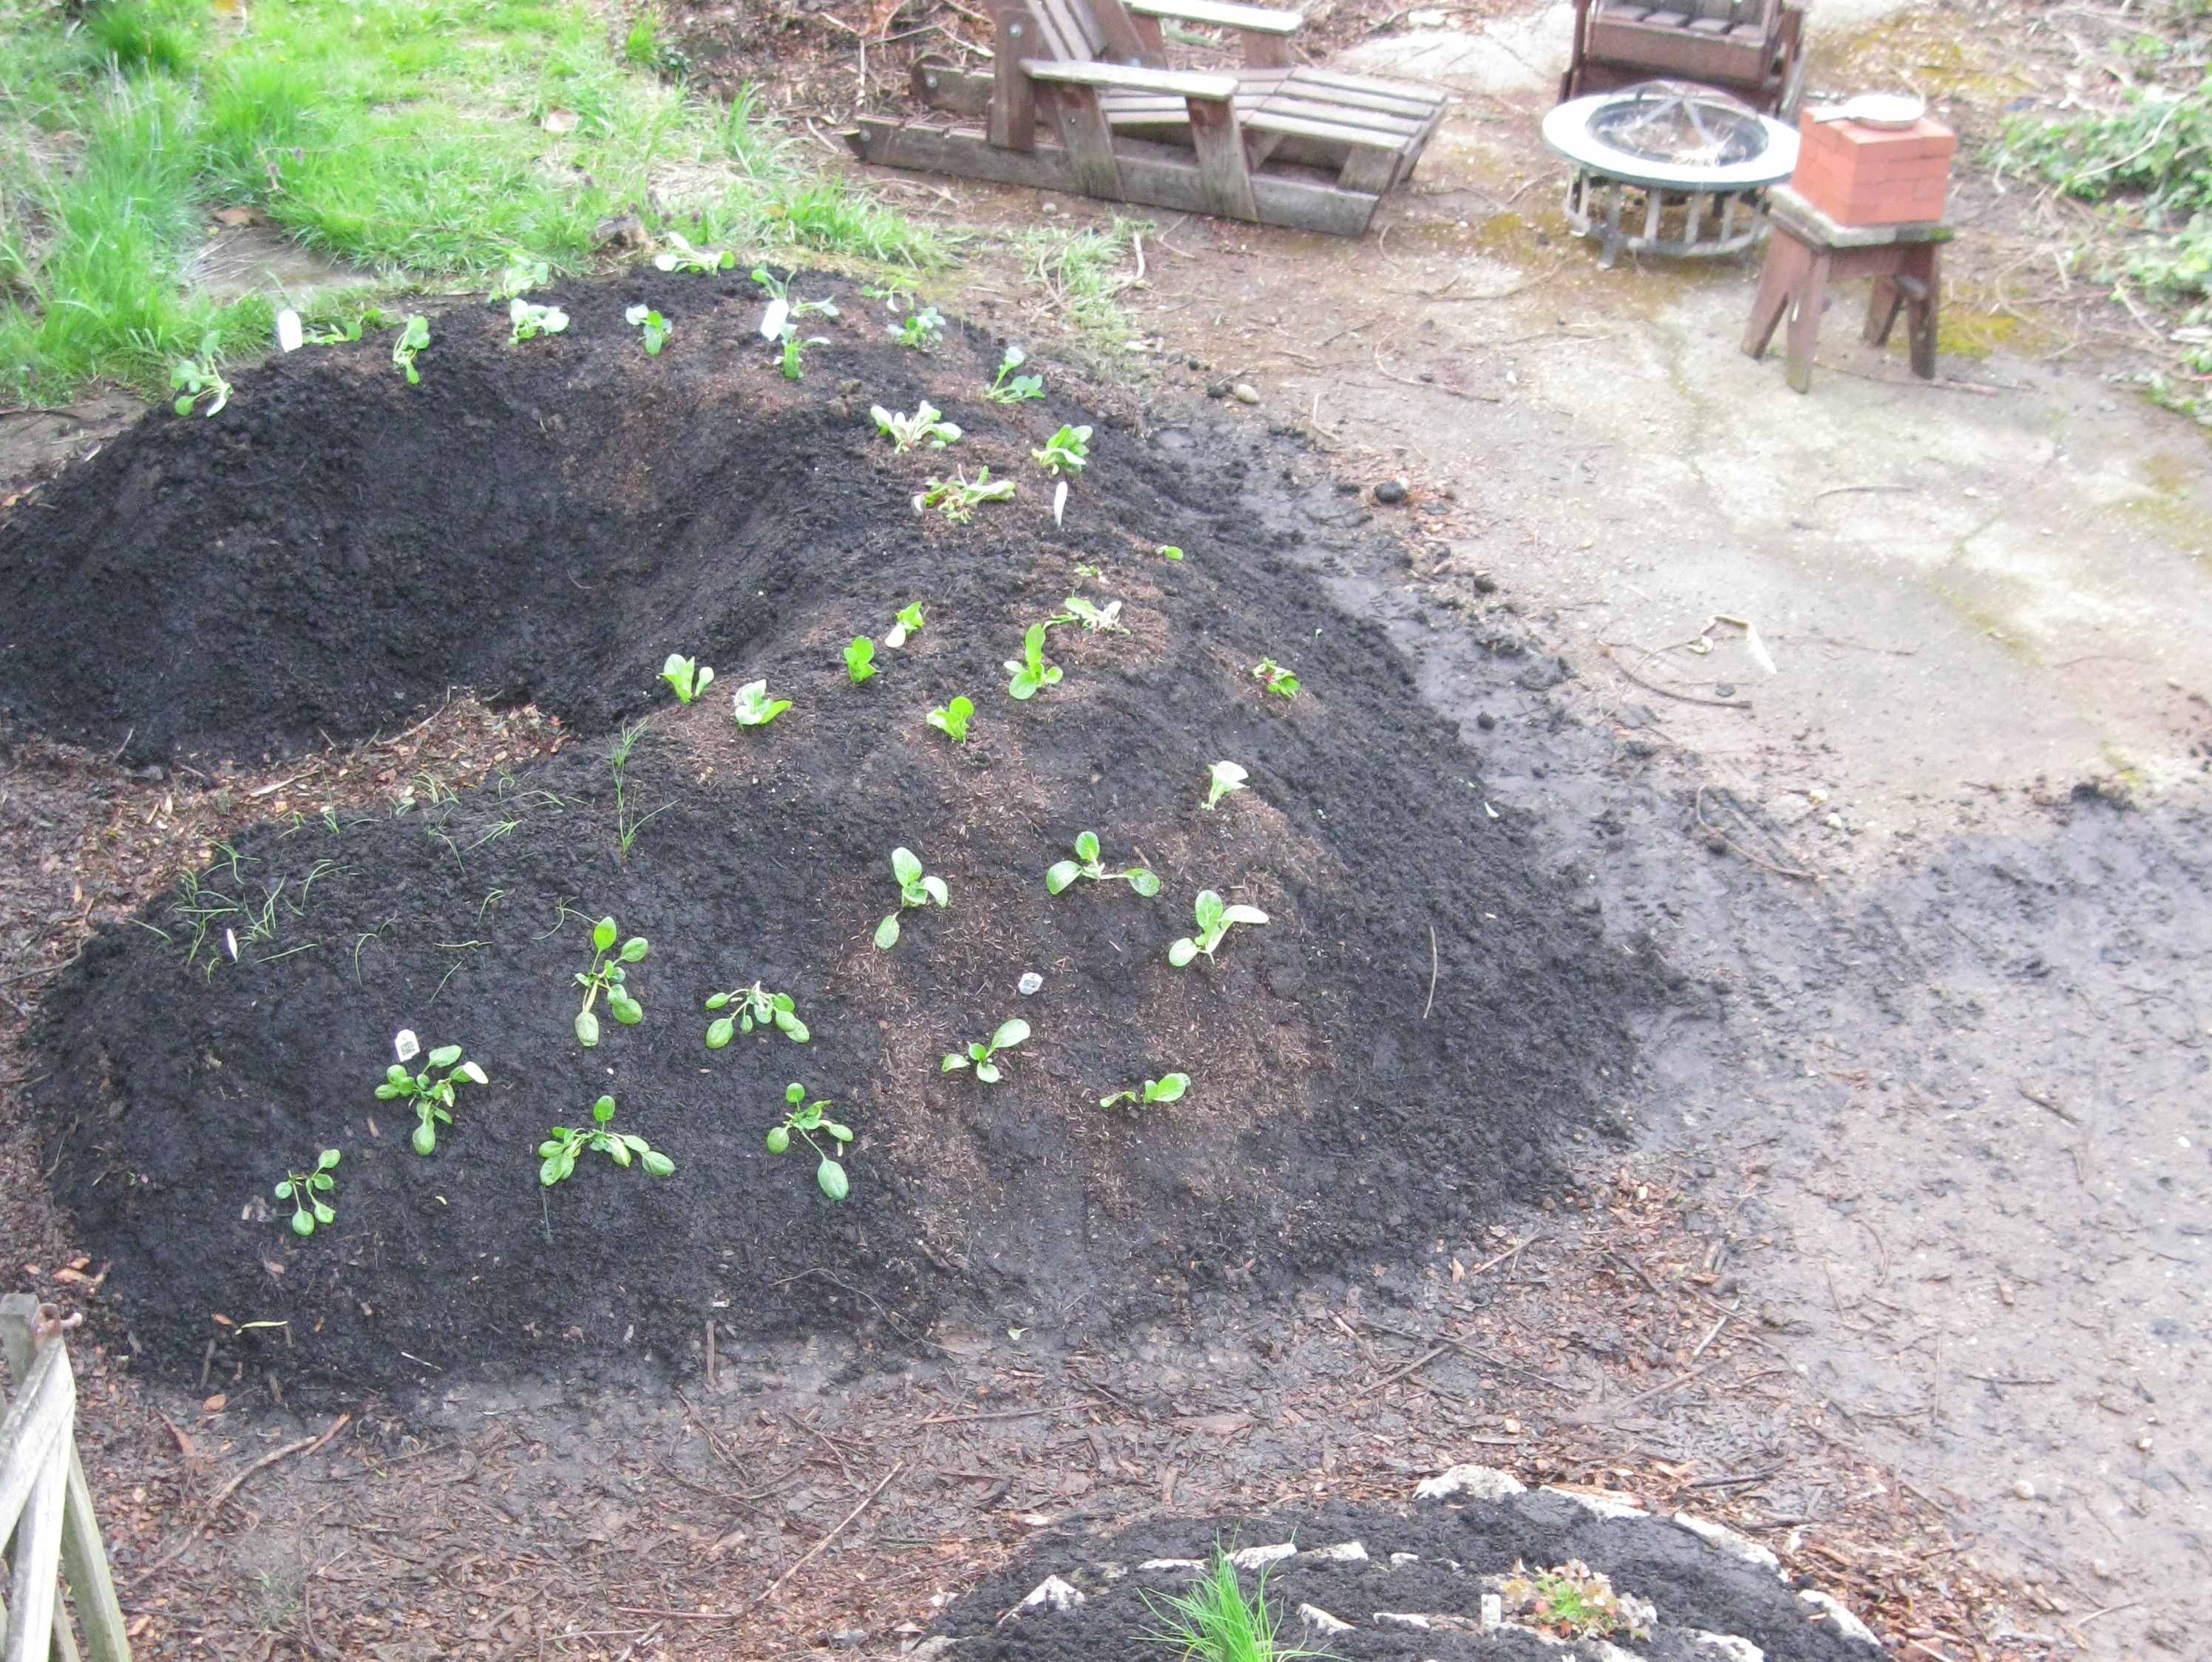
[[1785, 262], [1805, 320], [1881, 310], [1920, 262]]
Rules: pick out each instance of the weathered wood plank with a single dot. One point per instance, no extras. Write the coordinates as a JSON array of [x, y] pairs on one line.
[[1217, 14], [38, 1563], [1013, 97], [1089, 140], [37, 1420], [1222, 170], [1126, 77]]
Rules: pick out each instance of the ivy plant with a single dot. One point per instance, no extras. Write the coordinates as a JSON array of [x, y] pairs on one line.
[[806, 1118], [414, 336], [1273, 677], [755, 708], [1031, 674], [305, 1189], [907, 622], [916, 888], [1067, 451], [557, 1154], [1170, 1089], [607, 975], [1222, 778], [656, 328], [198, 378], [1003, 390], [952, 719], [1010, 1033], [1086, 865], [754, 1006], [924, 426], [431, 1091], [686, 677], [1215, 919], [860, 659]]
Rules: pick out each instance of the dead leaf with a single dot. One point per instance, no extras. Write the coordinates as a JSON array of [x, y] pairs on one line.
[[1459, 1270], [222, 1321], [216, 1404], [560, 121]]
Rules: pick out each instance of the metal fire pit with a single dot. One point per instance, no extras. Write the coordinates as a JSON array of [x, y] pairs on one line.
[[1691, 163]]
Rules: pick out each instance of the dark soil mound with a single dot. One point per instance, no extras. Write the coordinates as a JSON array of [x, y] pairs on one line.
[[1333, 1118]]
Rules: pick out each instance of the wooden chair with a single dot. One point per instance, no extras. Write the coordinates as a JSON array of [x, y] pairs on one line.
[[1271, 141], [1753, 49]]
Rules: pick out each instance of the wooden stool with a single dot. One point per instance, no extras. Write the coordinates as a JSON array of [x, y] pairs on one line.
[[1809, 250]]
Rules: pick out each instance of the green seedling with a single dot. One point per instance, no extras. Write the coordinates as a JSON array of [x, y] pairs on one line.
[[908, 622], [1573, 1601], [979, 1056], [1170, 1089], [907, 431], [779, 294], [414, 336], [656, 328], [557, 1154], [860, 659], [197, 378], [1063, 873], [681, 256], [958, 498], [1096, 620], [1067, 451], [790, 353], [431, 1091], [754, 1006], [916, 888], [607, 975], [922, 329], [951, 719], [305, 1189], [1217, 1621], [1014, 390], [1215, 919], [806, 1118], [519, 278], [1169, 551], [1223, 777], [627, 821], [1273, 676], [1031, 674], [527, 321], [755, 708], [339, 334], [686, 678], [1096, 572]]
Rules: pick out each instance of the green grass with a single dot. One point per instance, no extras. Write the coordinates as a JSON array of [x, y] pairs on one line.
[[1083, 275], [1217, 1621], [425, 142]]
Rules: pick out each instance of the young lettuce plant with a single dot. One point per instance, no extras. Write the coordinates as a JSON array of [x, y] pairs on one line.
[[431, 1091], [1067, 451], [1004, 391], [1277, 679], [655, 327], [1215, 919], [958, 498], [1031, 674], [754, 1006], [1063, 873], [197, 378], [791, 351], [860, 659], [526, 321], [916, 888], [923, 331], [1010, 1033], [908, 622], [1223, 777], [951, 719], [519, 278], [681, 256], [781, 308], [305, 1189], [687, 678], [414, 338], [755, 708], [806, 1118], [907, 431], [607, 975], [1170, 1089], [1096, 620], [557, 1154]]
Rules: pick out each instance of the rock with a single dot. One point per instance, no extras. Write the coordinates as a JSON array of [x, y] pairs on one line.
[[1244, 392], [1162, 1566], [1486, 720], [1741, 1547], [1344, 1552], [1470, 1482], [1218, 389], [849, 1639], [1735, 1649], [1313, 1619], [1831, 1610], [1052, 1594], [1394, 1619], [1603, 1506], [1254, 1558], [2024, 1489], [1398, 1559], [1493, 1611], [1390, 492]]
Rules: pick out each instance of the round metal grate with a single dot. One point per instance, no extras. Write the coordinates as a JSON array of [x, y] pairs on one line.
[[1680, 125]]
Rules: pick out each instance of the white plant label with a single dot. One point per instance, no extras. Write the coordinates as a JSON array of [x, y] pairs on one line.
[[404, 1045]]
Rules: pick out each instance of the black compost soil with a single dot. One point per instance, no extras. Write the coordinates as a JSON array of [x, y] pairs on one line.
[[1697, 1588], [1429, 1009]]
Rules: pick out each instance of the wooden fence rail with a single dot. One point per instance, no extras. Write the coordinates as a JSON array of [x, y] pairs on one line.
[[46, 1507]]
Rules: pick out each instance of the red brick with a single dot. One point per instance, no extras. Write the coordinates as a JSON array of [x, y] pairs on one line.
[[1869, 176]]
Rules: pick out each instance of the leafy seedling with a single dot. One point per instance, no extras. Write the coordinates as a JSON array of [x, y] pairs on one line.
[[197, 378], [1067, 451], [907, 431], [1170, 1089], [781, 308], [922, 331], [951, 719], [790, 353], [1169, 551], [305, 1189], [1573, 1601], [916, 888], [685, 677], [1003, 390], [1223, 777], [526, 321], [1273, 676], [958, 498], [1063, 873], [656, 328], [431, 1091], [607, 975], [1215, 919], [806, 1118], [908, 622], [754, 1006], [860, 659], [1031, 674], [681, 256], [979, 1056], [755, 708], [339, 334], [557, 1154], [519, 278], [1096, 620], [414, 336]]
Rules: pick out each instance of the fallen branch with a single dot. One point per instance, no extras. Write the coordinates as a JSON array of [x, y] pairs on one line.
[[813, 1551], [305, 1445], [1733, 847], [1670, 692]]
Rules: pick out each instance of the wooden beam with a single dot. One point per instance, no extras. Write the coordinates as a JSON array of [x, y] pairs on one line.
[[1124, 78], [1089, 140], [1222, 171], [1013, 97]]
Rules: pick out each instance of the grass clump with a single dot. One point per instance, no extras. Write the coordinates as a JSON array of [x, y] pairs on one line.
[[1083, 275], [1217, 1620]]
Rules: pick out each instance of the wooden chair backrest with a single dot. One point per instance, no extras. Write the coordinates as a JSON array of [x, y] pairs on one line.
[[1072, 32], [1736, 11]]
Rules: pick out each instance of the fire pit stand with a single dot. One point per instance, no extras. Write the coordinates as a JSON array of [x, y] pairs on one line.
[[1691, 163]]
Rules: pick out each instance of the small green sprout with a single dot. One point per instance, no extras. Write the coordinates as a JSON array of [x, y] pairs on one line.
[[951, 719], [1096, 573], [682, 256], [340, 334], [520, 277], [958, 498], [1067, 451], [558, 1152], [305, 1189], [979, 1056], [686, 677], [656, 328], [1169, 551], [1214, 921], [791, 355], [608, 975], [779, 294], [1273, 676], [414, 336], [1222, 778], [1063, 873], [527, 321], [1096, 620], [1170, 1089], [197, 378], [916, 888], [922, 331], [756, 1007], [907, 431], [431, 1091], [755, 708], [1031, 674], [907, 622], [1002, 391], [806, 1118], [860, 659]]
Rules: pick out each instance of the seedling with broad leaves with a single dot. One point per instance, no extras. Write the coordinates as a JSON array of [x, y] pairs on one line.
[[305, 1189], [1170, 1089], [958, 498], [782, 308], [860, 659], [197, 378], [908, 622], [924, 426], [1096, 620], [1031, 674], [806, 1118], [1067, 451], [923, 331], [1087, 866], [414, 338], [526, 321], [1222, 778], [1273, 677], [952, 719], [755, 708], [608, 975], [656, 328], [1003, 389], [686, 677], [980, 1057], [1169, 551], [681, 256], [753, 1007], [916, 888], [791, 352], [557, 1154], [519, 278], [1215, 919], [431, 1091]]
